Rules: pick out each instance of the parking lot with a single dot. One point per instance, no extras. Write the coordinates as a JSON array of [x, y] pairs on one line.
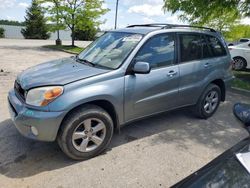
[[155, 152]]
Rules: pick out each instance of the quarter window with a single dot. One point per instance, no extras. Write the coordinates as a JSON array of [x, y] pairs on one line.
[[158, 51], [191, 47], [215, 46]]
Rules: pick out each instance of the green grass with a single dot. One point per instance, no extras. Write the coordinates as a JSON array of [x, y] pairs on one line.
[[242, 80], [65, 48]]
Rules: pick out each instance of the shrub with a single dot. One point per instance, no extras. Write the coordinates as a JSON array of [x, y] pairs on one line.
[[1, 32]]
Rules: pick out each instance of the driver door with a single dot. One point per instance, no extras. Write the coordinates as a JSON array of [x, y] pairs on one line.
[[157, 91]]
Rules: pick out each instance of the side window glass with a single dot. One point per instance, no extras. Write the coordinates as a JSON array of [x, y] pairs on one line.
[[206, 53], [191, 47], [158, 51], [215, 46]]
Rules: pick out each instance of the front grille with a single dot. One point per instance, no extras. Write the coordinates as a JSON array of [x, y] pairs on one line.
[[19, 90]]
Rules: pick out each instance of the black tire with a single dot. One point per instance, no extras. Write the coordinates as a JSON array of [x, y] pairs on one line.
[[199, 108], [70, 124], [242, 63]]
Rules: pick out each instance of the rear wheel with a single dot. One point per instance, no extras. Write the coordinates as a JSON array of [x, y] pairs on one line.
[[85, 133], [208, 102], [239, 63]]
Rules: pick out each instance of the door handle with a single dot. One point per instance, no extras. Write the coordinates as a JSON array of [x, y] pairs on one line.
[[171, 73]]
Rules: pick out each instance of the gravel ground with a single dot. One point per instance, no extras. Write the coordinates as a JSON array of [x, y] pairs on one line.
[[155, 152]]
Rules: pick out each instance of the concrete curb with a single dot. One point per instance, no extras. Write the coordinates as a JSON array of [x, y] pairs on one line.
[[240, 91]]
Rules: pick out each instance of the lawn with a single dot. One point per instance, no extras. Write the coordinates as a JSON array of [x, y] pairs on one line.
[[65, 48], [242, 79]]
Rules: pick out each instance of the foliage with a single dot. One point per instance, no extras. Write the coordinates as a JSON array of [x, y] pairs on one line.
[[76, 14], [242, 79], [1, 32], [10, 22], [86, 34], [236, 32], [64, 48], [36, 27], [216, 13]]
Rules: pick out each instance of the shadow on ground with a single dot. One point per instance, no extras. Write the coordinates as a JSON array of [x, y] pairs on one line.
[[21, 157]]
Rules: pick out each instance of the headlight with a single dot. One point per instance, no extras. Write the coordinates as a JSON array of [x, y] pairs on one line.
[[43, 95]]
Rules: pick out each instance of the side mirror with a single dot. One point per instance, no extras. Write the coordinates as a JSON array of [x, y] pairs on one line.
[[141, 68], [249, 44]]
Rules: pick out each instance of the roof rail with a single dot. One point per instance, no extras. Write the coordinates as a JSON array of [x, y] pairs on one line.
[[168, 26], [162, 25]]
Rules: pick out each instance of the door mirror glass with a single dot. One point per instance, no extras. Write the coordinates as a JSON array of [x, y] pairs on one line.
[[141, 68]]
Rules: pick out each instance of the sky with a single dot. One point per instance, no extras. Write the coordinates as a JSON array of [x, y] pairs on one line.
[[129, 12]]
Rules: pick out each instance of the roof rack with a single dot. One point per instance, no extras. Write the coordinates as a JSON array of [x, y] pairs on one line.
[[168, 26]]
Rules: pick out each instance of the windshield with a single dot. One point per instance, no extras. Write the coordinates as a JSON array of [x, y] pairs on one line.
[[111, 49]]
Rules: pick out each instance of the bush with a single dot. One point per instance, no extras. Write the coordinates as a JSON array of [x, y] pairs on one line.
[[1, 32]]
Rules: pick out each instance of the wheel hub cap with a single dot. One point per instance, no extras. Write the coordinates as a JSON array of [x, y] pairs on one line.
[[89, 135], [211, 102]]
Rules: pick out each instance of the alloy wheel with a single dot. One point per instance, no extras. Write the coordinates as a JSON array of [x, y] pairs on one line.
[[89, 135], [211, 102]]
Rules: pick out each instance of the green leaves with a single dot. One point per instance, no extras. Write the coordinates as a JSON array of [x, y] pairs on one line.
[[75, 14], [219, 14], [35, 23]]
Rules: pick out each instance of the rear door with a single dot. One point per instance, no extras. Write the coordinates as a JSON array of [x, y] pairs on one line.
[[147, 94], [202, 58], [193, 68]]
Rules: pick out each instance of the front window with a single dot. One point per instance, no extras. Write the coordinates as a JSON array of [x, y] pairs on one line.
[[159, 51], [111, 49]]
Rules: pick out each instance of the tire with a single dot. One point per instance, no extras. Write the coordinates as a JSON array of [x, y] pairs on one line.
[[239, 63], [207, 101], [85, 133]]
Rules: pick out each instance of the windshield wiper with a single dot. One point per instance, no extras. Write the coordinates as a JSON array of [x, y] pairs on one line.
[[85, 61]]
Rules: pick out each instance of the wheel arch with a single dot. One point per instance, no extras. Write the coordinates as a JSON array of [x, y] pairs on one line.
[[221, 84], [104, 104]]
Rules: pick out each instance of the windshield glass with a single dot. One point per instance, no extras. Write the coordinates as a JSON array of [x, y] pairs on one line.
[[111, 49]]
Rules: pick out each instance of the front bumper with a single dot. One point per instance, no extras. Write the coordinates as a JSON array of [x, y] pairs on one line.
[[26, 119]]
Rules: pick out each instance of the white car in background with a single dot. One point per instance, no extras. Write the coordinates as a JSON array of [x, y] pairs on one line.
[[241, 55]]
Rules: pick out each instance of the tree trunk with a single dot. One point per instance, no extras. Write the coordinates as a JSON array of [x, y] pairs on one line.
[[73, 36]]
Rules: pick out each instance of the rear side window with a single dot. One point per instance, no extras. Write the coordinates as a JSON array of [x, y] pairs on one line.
[[215, 46], [158, 51], [191, 47]]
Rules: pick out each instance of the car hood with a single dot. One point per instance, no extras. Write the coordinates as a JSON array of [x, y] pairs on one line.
[[58, 72]]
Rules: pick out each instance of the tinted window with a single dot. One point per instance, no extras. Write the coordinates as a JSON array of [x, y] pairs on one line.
[[190, 46], [206, 53], [244, 40], [159, 51], [215, 46]]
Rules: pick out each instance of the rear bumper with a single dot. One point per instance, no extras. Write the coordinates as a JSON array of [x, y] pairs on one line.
[[25, 119]]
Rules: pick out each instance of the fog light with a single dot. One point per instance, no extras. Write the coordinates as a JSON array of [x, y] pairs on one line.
[[34, 131]]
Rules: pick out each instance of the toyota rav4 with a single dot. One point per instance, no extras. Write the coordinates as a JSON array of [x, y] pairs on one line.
[[123, 76]]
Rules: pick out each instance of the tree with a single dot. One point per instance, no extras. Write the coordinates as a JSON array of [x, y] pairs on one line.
[[2, 32], [78, 14], [214, 13], [236, 32], [36, 27], [86, 34], [11, 22], [56, 23]]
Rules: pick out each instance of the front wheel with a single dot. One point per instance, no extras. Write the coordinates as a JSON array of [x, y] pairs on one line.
[[85, 133], [208, 102]]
